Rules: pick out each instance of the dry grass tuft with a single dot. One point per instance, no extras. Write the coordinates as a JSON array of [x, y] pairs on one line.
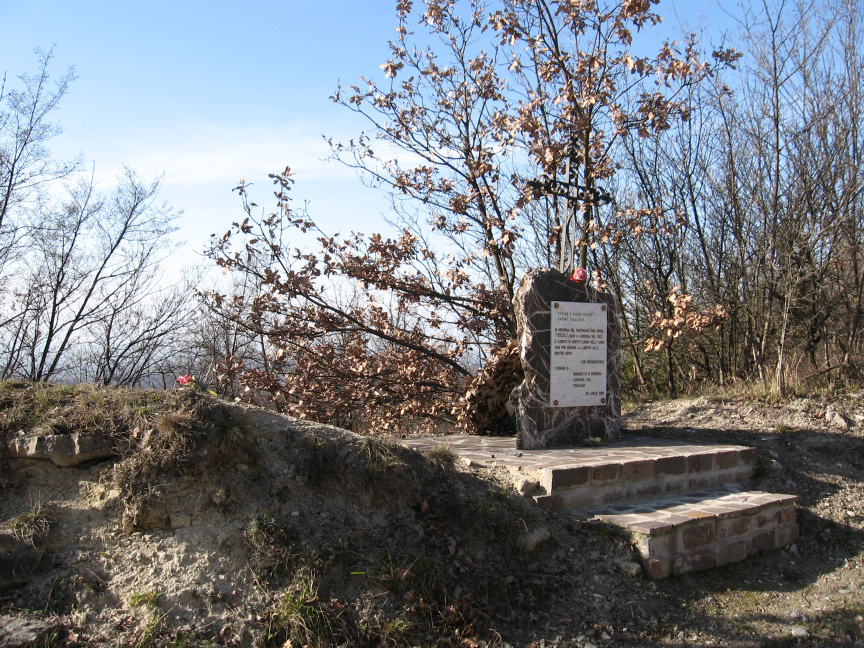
[[443, 456], [33, 525]]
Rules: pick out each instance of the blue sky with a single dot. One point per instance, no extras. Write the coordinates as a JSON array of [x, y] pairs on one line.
[[209, 92]]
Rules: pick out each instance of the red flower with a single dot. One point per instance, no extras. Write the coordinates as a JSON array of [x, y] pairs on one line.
[[580, 275], [185, 379]]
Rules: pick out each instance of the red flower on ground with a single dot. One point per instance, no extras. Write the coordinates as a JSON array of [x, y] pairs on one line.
[[185, 379]]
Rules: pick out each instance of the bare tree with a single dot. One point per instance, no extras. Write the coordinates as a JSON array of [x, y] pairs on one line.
[[89, 258], [142, 328], [26, 164]]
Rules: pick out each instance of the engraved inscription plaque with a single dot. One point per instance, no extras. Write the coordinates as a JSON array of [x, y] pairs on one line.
[[578, 354]]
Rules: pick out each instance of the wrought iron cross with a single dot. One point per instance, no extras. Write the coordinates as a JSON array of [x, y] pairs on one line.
[[573, 193]]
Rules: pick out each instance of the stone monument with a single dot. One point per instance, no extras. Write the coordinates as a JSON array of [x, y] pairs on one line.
[[570, 346]]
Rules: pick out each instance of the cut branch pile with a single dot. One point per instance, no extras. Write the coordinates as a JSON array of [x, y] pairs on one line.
[[484, 410]]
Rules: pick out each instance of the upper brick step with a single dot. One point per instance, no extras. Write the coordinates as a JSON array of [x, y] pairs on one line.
[[631, 469], [639, 469]]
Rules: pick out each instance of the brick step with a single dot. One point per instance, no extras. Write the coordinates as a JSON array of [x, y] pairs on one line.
[[639, 469], [696, 531], [681, 502]]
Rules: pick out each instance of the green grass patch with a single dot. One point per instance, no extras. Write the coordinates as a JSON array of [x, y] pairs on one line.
[[149, 598], [300, 618]]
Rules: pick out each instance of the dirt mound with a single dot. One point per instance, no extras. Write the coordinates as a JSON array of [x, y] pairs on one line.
[[223, 524], [232, 525]]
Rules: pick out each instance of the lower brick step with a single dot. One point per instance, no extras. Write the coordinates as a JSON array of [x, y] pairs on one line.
[[696, 531]]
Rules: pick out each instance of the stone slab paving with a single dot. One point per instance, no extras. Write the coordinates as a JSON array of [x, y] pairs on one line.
[[625, 470], [502, 451]]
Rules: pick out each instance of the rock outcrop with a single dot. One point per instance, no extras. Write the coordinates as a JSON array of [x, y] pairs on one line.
[[62, 449]]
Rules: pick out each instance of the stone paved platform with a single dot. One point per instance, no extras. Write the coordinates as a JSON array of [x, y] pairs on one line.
[[502, 451], [588, 477]]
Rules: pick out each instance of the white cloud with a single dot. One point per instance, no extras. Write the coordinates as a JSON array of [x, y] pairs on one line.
[[192, 152], [201, 162]]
